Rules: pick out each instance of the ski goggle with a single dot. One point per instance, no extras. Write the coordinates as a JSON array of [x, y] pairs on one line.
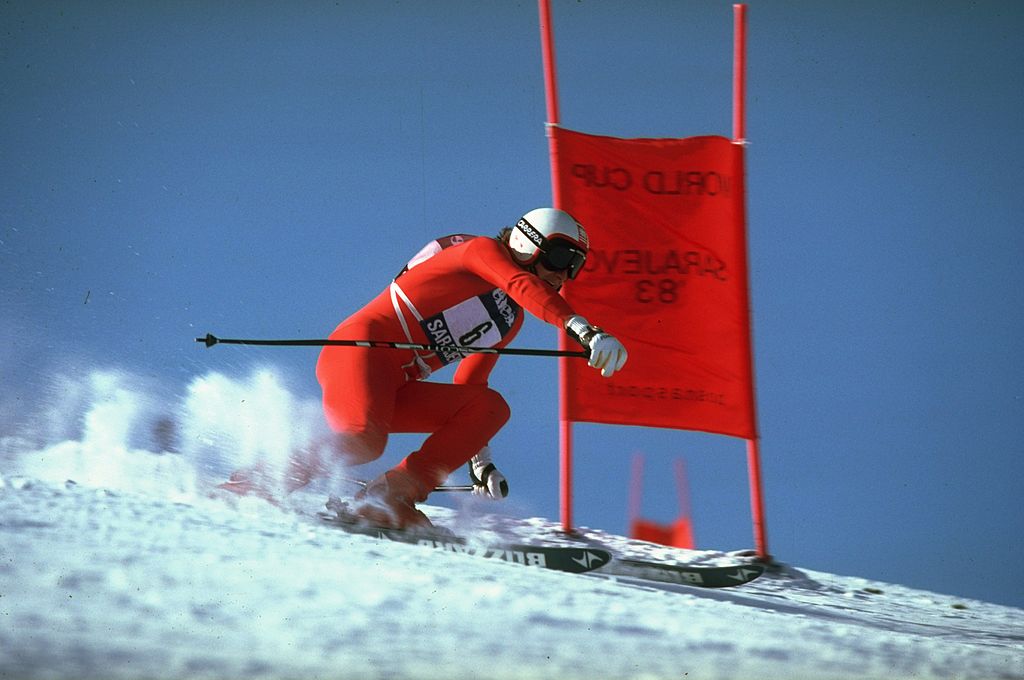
[[558, 256]]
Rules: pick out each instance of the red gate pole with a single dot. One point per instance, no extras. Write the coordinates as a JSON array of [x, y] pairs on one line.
[[739, 74], [739, 137], [564, 424]]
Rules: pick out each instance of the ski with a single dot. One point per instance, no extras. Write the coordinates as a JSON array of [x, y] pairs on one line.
[[573, 559], [687, 575], [559, 558]]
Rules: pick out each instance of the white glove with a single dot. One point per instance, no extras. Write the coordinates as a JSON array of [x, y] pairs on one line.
[[607, 354], [487, 480]]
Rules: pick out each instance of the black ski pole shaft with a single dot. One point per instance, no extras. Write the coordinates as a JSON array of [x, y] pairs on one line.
[[454, 487], [210, 340], [443, 487]]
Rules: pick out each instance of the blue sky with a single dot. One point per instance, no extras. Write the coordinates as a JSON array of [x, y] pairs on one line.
[[262, 169]]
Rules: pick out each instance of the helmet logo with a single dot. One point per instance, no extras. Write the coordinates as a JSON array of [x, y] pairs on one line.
[[531, 233]]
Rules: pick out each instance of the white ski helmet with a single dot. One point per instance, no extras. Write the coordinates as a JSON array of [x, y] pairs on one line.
[[551, 236]]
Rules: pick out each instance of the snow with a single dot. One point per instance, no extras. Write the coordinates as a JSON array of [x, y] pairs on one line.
[[96, 583], [117, 562]]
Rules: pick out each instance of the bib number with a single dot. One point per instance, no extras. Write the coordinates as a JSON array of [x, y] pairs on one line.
[[472, 337], [480, 321]]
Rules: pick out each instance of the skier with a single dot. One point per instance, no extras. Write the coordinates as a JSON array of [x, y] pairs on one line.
[[459, 290]]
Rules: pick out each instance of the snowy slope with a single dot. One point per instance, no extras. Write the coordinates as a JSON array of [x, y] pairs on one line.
[[132, 570], [102, 582]]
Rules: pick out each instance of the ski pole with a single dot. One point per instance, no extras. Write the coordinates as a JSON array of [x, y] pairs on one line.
[[210, 340], [443, 487]]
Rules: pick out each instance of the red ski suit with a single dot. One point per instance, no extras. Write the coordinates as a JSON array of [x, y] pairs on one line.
[[460, 290]]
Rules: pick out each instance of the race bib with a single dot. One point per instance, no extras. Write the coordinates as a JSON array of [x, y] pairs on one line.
[[481, 321]]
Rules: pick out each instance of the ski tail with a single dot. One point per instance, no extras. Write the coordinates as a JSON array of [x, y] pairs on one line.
[[574, 560]]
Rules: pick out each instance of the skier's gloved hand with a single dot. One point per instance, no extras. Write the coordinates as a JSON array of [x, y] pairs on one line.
[[607, 354], [487, 480]]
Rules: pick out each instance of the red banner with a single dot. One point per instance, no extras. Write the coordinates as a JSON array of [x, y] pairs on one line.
[[667, 275]]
